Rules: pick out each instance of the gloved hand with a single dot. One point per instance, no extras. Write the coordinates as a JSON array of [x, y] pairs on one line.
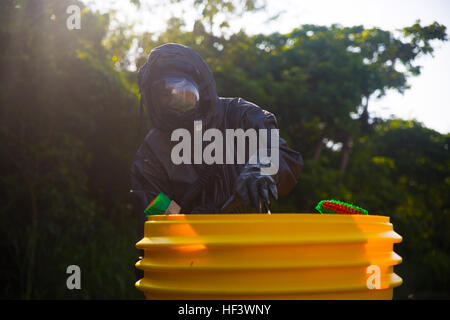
[[255, 189]]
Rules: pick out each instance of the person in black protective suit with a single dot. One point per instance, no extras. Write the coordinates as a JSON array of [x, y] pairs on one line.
[[177, 87]]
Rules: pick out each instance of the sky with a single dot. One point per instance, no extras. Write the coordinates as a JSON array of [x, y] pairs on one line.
[[428, 99]]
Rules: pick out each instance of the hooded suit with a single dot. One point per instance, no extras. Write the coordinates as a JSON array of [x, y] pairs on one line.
[[153, 171]]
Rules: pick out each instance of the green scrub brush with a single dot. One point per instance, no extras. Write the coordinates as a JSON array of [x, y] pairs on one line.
[[334, 206], [162, 205]]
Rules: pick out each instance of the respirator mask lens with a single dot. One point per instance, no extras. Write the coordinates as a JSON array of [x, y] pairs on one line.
[[177, 93]]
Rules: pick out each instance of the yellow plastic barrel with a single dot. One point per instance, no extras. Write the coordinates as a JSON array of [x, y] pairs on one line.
[[263, 256]]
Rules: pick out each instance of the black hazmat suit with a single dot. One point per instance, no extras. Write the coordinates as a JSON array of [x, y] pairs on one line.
[[210, 186]]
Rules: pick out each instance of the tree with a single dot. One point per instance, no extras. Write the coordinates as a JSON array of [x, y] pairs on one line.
[[69, 128]]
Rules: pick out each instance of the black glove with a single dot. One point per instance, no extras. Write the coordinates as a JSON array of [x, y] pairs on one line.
[[255, 189]]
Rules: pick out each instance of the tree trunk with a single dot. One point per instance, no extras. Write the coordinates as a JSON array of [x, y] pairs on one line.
[[318, 150], [345, 153], [364, 117]]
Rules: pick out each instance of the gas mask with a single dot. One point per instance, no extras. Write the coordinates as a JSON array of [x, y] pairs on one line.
[[176, 99], [177, 93]]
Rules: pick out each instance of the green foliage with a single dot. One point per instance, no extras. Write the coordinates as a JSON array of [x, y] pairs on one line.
[[69, 128], [69, 124]]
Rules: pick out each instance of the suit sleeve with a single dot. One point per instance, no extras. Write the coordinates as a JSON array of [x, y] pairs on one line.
[[290, 161], [148, 179]]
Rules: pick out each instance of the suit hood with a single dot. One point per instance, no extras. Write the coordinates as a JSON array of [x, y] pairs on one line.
[[171, 58]]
